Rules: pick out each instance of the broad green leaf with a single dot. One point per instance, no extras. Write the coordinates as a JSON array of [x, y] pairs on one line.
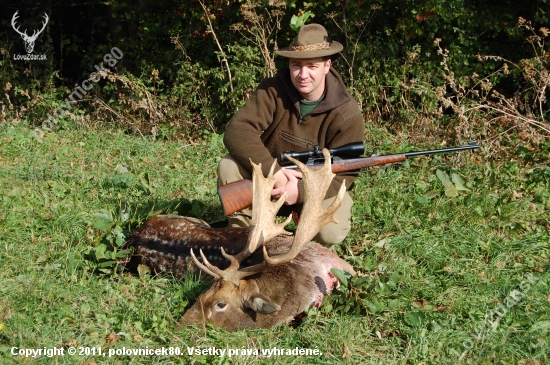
[[143, 270], [105, 264], [374, 306], [100, 251], [382, 243], [459, 182], [414, 318], [359, 281], [450, 189], [15, 191], [297, 21], [340, 275], [102, 220], [119, 236]]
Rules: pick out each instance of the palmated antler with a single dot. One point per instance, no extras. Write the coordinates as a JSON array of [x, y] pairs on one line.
[[313, 218], [263, 226]]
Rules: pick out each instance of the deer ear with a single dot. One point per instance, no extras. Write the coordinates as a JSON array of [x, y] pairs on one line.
[[259, 303]]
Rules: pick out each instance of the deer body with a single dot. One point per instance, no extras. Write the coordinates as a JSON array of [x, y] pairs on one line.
[[164, 242], [263, 276]]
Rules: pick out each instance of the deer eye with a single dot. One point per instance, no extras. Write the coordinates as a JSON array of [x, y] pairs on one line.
[[221, 305]]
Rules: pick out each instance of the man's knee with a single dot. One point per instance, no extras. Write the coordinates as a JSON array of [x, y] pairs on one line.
[[230, 170], [333, 233]]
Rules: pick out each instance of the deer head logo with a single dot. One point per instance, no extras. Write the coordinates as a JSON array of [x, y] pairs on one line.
[[29, 40]]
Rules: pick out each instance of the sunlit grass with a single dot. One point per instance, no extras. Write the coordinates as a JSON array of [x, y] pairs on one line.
[[432, 265]]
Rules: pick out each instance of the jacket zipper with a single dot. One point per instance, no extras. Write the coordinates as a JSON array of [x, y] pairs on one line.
[[296, 140]]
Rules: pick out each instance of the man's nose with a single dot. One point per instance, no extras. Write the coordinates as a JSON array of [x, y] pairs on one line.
[[303, 73]]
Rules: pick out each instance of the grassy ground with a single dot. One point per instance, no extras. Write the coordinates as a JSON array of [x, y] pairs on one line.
[[453, 254]]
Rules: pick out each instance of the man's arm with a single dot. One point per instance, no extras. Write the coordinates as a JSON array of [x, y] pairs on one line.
[[242, 134]]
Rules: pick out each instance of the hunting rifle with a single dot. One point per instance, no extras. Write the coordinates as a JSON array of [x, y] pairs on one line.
[[237, 195]]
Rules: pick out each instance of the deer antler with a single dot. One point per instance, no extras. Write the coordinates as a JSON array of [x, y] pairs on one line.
[[263, 227], [24, 34], [314, 216], [36, 33], [13, 19]]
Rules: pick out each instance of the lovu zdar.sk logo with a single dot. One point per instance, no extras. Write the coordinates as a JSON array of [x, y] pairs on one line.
[[29, 40]]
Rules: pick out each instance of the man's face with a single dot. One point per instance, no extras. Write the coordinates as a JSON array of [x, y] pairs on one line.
[[308, 76]]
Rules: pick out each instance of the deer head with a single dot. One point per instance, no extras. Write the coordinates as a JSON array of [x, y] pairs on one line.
[[29, 40], [284, 285]]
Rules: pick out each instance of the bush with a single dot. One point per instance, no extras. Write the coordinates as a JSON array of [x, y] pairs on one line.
[[188, 65]]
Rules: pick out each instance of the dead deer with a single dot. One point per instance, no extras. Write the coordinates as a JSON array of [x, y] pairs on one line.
[[253, 287]]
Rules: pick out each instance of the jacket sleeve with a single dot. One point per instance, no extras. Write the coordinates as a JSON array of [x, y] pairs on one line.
[[242, 134]]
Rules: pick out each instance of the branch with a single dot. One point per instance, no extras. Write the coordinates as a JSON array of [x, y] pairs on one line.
[[224, 59]]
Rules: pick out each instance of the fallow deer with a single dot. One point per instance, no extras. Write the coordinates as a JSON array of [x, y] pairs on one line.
[[252, 288]]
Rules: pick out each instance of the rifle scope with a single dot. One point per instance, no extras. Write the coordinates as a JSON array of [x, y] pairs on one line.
[[349, 150]]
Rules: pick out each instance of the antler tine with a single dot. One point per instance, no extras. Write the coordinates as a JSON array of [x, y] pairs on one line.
[[264, 211], [13, 19], [313, 216], [36, 32], [216, 273], [45, 22]]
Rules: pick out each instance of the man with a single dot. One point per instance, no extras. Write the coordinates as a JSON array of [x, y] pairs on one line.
[[302, 106]]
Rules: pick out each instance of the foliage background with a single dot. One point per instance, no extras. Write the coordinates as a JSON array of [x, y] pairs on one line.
[[196, 62]]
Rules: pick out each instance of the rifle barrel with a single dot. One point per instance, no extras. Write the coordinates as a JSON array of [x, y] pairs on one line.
[[472, 145]]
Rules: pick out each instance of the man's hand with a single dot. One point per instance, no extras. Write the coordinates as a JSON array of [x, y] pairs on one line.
[[290, 187], [280, 179]]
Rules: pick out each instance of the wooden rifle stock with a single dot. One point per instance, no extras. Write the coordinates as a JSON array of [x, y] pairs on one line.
[[237, 195]]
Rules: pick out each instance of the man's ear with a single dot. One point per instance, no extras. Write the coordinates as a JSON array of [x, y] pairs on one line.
[[259, 303], [328, 64]]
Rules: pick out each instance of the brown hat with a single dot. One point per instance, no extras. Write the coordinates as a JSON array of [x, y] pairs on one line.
[[312, 41]]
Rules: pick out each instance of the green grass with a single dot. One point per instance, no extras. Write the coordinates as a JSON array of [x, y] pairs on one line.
[[436, 266]]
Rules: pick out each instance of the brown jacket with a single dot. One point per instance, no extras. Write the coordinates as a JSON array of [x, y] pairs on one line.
[[270, 122]]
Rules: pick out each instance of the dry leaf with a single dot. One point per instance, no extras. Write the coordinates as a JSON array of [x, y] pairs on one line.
[[111, 338], [346, 352], [71, 343], [420, 303], [529, 362]]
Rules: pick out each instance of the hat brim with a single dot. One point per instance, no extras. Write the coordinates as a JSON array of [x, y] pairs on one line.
[[335, 47]]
